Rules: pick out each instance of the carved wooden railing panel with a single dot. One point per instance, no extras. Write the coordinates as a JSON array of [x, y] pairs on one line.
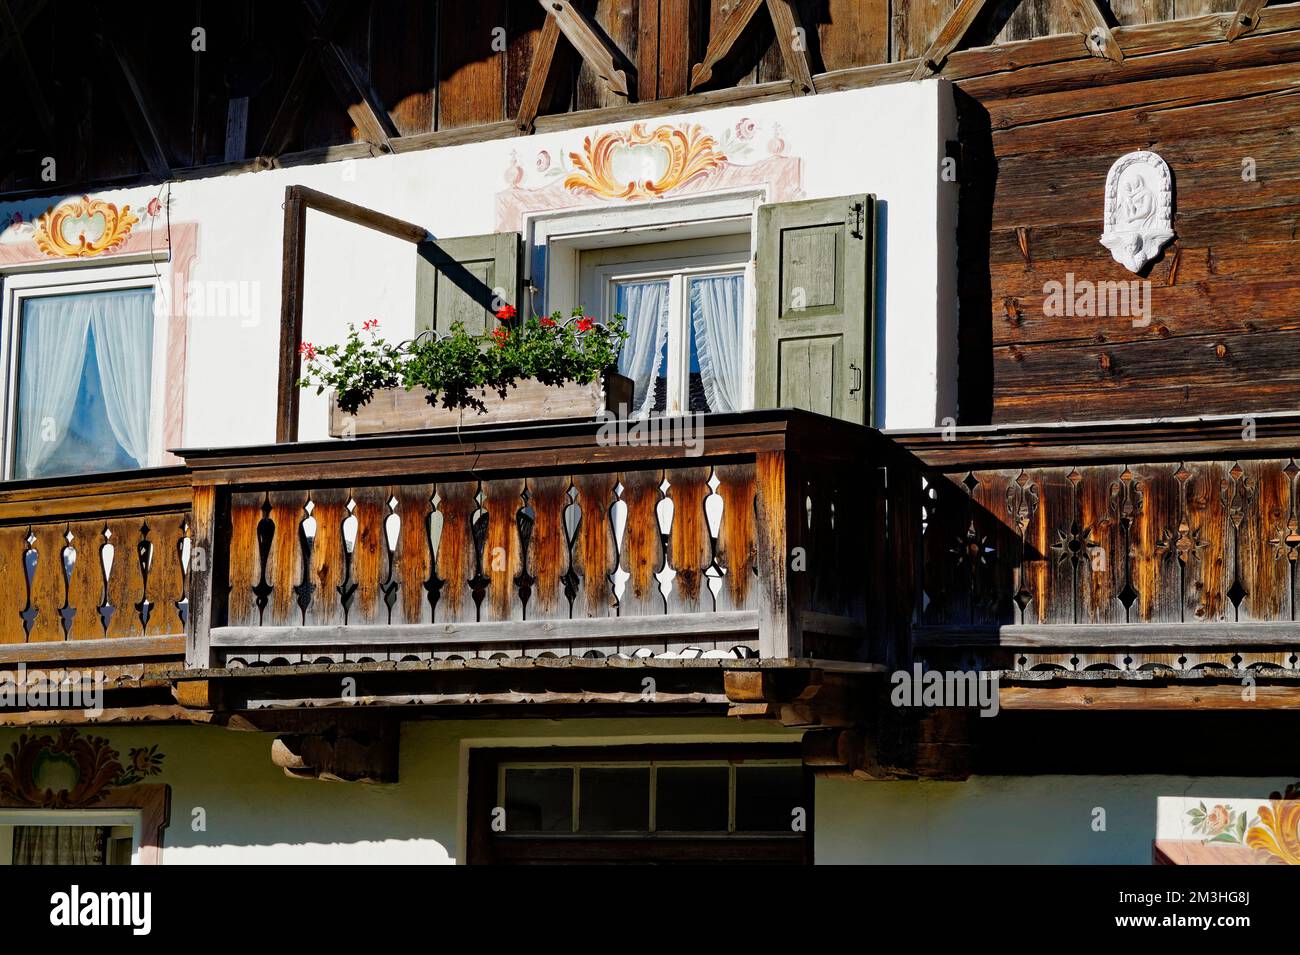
[[1089, 557], [559, 548], [98, 566]]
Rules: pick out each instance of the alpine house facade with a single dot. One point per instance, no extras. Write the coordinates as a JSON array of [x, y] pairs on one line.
[[945, 508]]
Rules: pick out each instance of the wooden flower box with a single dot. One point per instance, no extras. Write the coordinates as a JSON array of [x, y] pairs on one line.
[[395, 410]]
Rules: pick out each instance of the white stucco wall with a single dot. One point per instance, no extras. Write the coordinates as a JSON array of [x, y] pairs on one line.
[[255, 814], [887, 141], [1005, 819]]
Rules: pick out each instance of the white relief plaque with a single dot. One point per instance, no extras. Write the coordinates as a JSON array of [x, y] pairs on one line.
[[1139, 209]]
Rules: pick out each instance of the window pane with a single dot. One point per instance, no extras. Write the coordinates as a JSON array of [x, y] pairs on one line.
[[717, 342], [539, 800], [766, 797], [691, 799], [614, 800], [645, 305], [60, 845], [84, 382]]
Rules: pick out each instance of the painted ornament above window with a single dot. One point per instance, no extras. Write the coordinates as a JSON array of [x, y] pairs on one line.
[[1139, 209], [83, 227]]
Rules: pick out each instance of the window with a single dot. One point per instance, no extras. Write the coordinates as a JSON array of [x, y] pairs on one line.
[[637, 803], [82, 394], [689, 341], [67, 837]]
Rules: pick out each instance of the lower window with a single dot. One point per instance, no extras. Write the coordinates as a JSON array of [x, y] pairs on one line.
[[653, 804], [55, 838]]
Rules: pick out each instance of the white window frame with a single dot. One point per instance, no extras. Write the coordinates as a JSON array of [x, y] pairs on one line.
[[678, 271], [20, 286], [68, 817]]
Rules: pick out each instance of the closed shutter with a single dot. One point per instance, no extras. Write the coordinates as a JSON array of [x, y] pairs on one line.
[[815, 295], [465, 279]]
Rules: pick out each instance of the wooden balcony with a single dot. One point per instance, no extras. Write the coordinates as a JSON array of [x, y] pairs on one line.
[[1112, 552], [546, 542], [95, 571]]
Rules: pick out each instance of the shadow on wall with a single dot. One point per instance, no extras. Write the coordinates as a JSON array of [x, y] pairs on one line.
[[978, 175]]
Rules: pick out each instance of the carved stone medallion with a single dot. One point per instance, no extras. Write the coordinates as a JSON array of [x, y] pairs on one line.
[[1139, 209]]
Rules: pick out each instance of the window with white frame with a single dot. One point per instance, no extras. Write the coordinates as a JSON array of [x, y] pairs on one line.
[[68, 837], [689, 343], [84, 376]]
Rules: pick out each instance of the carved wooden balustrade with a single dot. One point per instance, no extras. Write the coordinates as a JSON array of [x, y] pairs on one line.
[[544, 541], [1165, 547], [95, 569]]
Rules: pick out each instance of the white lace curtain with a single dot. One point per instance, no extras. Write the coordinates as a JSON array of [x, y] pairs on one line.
[[56, 334], [59, 845], [717, 315], [645, 304]]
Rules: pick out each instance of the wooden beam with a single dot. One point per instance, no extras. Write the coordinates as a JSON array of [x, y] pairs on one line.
[[539, 75], [590, 43], [138, 104], [27, 73], [297, 200], [1143, 636], [1096, 31], [1245, 18], [793, 42], [293, 265], [360, 215], [1220, 696], [722, 41], [280, 132], [69, 651], [649, 629], [950, 34]]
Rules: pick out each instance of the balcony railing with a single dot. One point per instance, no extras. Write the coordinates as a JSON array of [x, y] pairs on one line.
[[95, 569], [1113, 548], [546, 541]]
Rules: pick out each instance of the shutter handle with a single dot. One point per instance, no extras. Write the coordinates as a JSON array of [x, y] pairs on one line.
[[856, 210], [857, 381]]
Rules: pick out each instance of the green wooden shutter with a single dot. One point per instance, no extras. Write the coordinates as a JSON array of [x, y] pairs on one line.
[[814, 268], [461, 279]]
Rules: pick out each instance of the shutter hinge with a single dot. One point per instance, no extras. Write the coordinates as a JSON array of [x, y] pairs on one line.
[[856, 212]]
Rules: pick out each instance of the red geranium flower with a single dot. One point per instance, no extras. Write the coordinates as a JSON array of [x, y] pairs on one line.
[[585, 324], [501, 336], [307, 350], [371, 324], [548, 322], [506, 312]]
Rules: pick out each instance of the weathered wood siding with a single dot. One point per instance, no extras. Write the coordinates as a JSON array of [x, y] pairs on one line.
[[254, 84], [1224, 302]]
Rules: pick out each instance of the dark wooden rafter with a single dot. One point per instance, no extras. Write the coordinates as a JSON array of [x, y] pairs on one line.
[[1096, 31], [785, 23], [140, 113], [539, 76], [356, 96], [1245, 18], [1097, 35], [11, 35], [297, 200], [609, 63], [952, 32]]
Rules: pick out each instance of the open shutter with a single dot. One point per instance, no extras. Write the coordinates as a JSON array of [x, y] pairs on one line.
[[815, 294], [464, 280]]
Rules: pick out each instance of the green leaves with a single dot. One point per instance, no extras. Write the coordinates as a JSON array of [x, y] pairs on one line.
[[456, 369]]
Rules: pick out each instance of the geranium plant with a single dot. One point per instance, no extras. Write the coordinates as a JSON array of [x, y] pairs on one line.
[[456, 368]]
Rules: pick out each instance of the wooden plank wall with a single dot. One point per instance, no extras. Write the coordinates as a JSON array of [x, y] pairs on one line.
[[434, 65], [1224, 303]]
